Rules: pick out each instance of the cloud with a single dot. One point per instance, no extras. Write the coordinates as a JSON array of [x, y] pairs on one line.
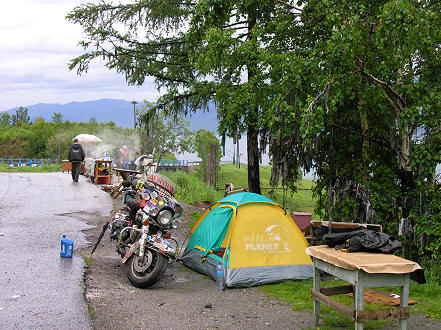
[[37, 45]]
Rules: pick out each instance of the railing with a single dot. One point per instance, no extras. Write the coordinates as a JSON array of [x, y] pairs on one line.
[[28, 161], [172, 163]]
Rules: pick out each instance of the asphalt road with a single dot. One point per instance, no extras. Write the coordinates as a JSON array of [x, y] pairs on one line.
[[38, 289]]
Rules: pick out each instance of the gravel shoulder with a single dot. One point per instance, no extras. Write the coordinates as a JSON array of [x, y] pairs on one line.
[[183, 299]]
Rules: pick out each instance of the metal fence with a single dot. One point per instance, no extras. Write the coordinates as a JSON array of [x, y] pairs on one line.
[[172, 163], [47, 161], [29, 161]]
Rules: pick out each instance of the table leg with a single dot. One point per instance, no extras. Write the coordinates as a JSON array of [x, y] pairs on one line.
[[316, 302], [358, 304], [404, 299]]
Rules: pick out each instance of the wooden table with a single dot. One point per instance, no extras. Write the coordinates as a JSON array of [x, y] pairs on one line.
[[361, 270], [66, 166], [124, 174]]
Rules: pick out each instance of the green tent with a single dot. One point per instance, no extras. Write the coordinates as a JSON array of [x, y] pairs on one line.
[[253, 237]]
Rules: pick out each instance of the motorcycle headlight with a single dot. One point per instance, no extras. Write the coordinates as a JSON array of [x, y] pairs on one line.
[[165, 217]]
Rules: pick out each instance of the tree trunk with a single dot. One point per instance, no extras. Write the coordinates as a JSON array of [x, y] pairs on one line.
[[253, 159], [404, 156], [365, 145], [252, 120], [403, 159], [365, 130]]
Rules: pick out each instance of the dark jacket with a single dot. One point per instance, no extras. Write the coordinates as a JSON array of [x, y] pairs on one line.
[[76, 153]]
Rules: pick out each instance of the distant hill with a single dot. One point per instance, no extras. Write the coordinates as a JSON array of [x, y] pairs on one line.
[[105, 110]]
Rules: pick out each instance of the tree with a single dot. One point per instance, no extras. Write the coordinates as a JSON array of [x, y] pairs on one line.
[[165, 134], [21, 117], [5, 119], [58, 145], [93, 122], [57, 117], [196, 51], [361, 103], [203, 142]]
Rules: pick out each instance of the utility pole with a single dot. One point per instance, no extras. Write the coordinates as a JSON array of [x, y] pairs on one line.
[[134, 113]]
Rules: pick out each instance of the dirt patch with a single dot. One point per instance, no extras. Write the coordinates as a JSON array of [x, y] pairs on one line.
[[203, 205]]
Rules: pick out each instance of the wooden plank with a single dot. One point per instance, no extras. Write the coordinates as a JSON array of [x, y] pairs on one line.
[[378, 279], [383, 314], [351, 225], [345, 310], [404, 300], [358, 303], [333, 290], [350, 276], [316, 284]]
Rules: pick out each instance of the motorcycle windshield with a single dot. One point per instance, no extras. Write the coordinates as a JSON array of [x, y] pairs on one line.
[[162, 181]]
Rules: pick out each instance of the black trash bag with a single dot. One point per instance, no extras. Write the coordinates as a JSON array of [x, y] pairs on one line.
[[363, 240]]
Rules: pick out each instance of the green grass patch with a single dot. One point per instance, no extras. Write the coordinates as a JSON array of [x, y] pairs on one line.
[[91, 310], [298, 294], [295, 292], [194, 216], [32, 169], [190, 187], [89, 261]]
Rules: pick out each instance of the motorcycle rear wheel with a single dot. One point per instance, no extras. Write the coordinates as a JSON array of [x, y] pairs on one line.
[[145, 272]]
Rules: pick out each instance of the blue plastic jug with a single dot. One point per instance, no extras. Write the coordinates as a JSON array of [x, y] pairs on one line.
[[66, 247]]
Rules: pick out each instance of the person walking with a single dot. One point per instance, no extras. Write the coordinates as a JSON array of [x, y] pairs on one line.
[[76, 156]]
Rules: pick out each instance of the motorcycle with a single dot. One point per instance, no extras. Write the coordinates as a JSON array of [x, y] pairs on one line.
[[141, 228]]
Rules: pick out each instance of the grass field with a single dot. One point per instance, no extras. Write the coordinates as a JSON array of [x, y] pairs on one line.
[[191, 188]]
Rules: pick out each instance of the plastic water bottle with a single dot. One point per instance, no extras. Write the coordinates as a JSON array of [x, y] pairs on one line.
[[220, 284], [66, 247]]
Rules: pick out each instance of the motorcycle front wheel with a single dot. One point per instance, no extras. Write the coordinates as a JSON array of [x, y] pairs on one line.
[[146, 271]]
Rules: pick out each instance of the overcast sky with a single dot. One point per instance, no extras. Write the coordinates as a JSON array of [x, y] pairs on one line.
[[36, 44]]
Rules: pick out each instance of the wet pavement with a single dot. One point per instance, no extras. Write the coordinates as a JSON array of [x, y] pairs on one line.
[[38, 289]]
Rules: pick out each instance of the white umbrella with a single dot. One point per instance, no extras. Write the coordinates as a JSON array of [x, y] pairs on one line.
[[87, 138]]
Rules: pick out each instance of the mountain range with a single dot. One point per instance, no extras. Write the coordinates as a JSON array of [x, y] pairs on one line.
[[105, 110]]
